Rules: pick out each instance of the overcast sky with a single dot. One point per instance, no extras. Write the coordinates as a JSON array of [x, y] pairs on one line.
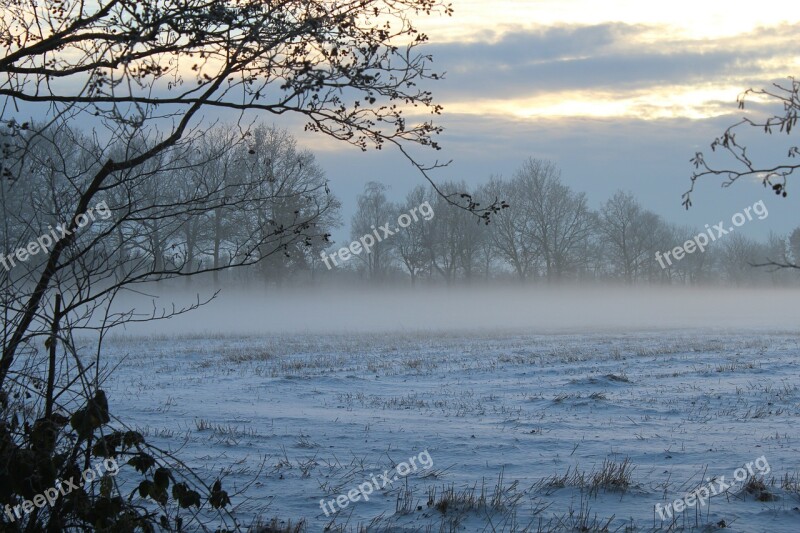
[[620, 94]]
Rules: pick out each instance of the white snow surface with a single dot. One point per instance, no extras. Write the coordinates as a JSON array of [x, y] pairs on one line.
[[292, 418]]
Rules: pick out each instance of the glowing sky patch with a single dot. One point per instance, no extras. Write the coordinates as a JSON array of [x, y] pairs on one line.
[[669, 102], [762, 37], [686, 18]]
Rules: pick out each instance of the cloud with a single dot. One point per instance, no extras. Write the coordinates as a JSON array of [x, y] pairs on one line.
[[610, 62], [533, 45]]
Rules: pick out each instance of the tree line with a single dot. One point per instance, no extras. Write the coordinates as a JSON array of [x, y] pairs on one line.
[[229, 199], [549, 234], [226, 199]]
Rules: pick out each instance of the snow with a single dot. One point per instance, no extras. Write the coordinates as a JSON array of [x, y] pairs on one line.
[[298, 417]]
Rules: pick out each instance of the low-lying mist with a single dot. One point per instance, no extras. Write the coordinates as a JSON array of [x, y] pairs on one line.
[[255, 311]]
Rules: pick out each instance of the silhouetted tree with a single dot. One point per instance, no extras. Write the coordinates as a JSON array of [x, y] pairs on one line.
[[740, 162], [140, 73], [630, 236], [372, 212], [743, 163], [558, 220]]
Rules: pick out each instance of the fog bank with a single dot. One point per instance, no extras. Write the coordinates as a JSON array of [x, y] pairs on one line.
[[534, 310]]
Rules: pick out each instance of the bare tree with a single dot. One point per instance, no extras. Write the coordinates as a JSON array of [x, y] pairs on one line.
[[738, 254], [140, 73], [509, 229], [108, 58], [296, 187], [223, 170], [739, 162], [559, 221], [409, 242], [793, 246], [692, 269], [630, 236], [773, 174], [156, 203], [470, 235], [372, 212], [450, 239]]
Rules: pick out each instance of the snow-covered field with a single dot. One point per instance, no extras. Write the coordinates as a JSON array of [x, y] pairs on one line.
[[547, 432]]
